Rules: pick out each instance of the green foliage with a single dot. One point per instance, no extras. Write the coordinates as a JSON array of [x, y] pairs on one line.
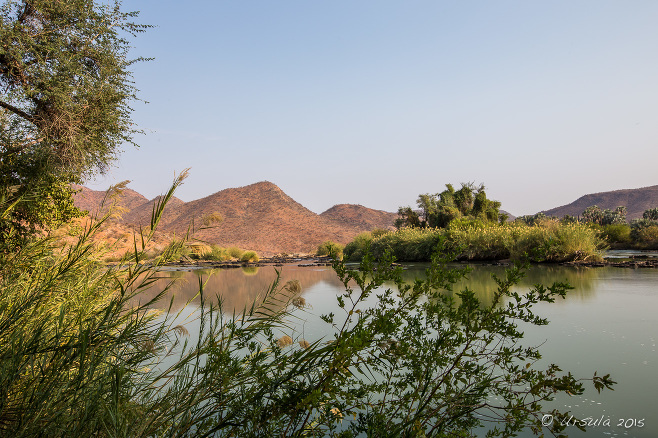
[[472, 239], [648, 237], [41, 203], [249, 256], [377, 232], [617, 234], [357, 248], [235, 252], [595, 215], [330, 249], [176, 250], [407, 218], [534, 219], [644, 233], [214, 253], [651, 214], [78, 357], [64, 111], [438, 210]]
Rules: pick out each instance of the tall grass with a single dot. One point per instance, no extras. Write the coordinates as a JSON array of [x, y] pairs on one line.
[[548, 241], [79, 357]]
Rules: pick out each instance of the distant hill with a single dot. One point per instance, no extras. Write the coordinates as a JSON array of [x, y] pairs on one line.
[[259, 216], [636, 202], [91, 200], [141, 215], [359, 216]]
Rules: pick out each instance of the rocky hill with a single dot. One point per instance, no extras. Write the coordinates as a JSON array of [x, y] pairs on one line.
[[259, 216], [141, 215], [636, 202], [91, 200], [359, 216]]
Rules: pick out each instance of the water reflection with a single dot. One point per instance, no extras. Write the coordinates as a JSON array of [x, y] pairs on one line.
[[238, 288], [607, 323], [480, 279], [241, 287]]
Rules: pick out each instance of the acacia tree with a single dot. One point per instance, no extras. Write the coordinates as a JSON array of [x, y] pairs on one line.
[[64, 108]]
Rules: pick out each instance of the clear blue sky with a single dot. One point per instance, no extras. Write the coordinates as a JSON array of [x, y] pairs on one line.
[[374, 102]]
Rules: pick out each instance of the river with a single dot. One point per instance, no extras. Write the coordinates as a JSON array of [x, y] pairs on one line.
[[608, 323]]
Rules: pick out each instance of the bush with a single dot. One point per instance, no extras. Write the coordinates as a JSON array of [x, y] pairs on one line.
[[471, 239], [378, 232], [617, 234], [249, 256], [356, 249], [216, 253], [235, 252], [331, 249], [647, 237]]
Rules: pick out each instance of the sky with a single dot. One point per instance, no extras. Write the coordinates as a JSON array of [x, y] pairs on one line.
[[375, 102]]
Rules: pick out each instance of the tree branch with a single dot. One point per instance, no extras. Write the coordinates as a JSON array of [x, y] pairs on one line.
[[17, 111]]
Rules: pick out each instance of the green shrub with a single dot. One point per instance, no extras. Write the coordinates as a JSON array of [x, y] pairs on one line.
[[647, 237], [216, 253], [249, 256], [377, 232], [619, 234], [331, 249], [235, 252], [356, 249]]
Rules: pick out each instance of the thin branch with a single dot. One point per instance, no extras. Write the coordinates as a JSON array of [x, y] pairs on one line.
[[17, 111]]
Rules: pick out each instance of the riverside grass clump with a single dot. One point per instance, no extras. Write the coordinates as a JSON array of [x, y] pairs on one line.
[[82, 354], [546, 241]]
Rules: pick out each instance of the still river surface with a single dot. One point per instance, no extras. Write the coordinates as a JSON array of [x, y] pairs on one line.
[[608, 323]]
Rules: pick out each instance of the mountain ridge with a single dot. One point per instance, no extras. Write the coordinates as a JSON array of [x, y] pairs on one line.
[[636, 202], [259, 216]]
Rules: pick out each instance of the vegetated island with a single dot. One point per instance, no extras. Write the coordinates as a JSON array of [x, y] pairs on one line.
[[472, 226]]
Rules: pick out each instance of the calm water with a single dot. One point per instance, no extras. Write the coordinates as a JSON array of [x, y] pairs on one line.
[[608, 323]]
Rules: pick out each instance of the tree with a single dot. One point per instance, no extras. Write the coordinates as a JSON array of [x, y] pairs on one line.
[[439, 209], [407, 218], [595, 215], [64, 108], [651, 214]]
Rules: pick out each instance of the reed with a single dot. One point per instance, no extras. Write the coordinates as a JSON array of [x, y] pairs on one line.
[[546, 241]]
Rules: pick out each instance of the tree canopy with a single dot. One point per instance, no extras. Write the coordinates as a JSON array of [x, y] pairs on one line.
[[595, 215], [438, 210], [64, 108]]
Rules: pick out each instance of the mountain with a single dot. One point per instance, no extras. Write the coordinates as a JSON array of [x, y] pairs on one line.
[[359, 216], [636, 202], [259, 216], [91, 200], [141, 215], [263, 218]]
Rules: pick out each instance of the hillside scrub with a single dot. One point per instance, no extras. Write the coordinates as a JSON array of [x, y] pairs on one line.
[[546, 241]]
